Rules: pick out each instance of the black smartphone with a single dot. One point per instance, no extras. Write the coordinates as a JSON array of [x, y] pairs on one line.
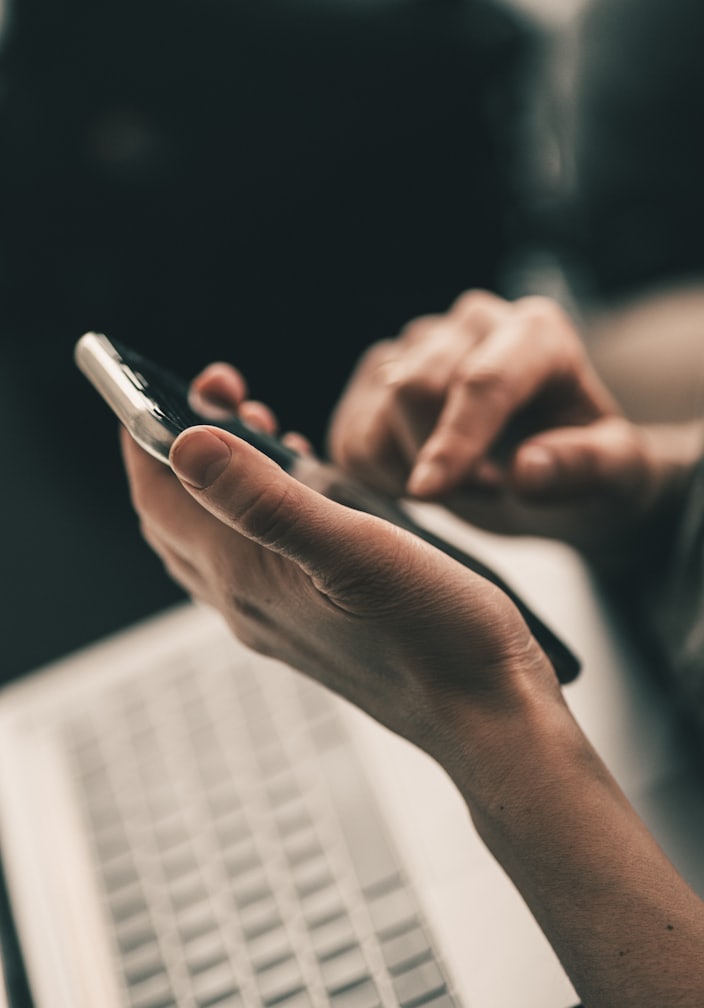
[[154, 406]]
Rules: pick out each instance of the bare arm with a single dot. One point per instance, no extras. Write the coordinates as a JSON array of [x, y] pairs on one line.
[[627, 928], [444, 659]]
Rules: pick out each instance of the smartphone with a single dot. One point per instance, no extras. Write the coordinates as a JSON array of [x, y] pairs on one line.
[[153, 404]]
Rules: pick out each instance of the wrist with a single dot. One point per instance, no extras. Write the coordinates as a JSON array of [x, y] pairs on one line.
[[497, 745], [593, 876]]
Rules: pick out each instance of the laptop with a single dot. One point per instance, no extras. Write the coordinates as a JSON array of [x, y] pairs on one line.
[[186, 824]]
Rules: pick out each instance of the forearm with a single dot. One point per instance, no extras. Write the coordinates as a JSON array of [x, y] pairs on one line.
[[627, 928]]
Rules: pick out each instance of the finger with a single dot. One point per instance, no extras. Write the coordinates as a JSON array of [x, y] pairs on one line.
[[217, 391], [510, 368], [359, 438], [258, 415], [401, 398], [576, 463], [480, 310], [252, 495], [159, 500], [298, 442], [476, 309], [425, 358], [416, 387], [413, 332]]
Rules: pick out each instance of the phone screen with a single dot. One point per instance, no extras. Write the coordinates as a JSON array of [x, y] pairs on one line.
[[167, 400]]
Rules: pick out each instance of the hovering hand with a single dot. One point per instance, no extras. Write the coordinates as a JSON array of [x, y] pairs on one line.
[[495, 409]]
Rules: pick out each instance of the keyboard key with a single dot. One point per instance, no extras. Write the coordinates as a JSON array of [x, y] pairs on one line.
[[231, 828], [344, 969], [311, 874], [332, 934], [314, 699], [363, 995], [196, 920], [171, 832], [418, 984], [445, 1001], [143, 962], [373, 857], [241, 858], [405, 949], [326, 731], [292, 819], [111, 844], [223, 801], [128, 903], [154, 992], [135, 932], [233, 999], [269, 947], [187, 891], [251, 886], [215, 983], [272, 759], [119, 872], [259, 917], [302, 845], [391, 910], [296, 999], [105, 815], [322, 904], [179, 861], [279, 981], [283, 790], [204, 950]]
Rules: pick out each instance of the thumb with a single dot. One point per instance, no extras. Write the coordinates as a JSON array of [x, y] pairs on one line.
[[570, 463], [251, 494]]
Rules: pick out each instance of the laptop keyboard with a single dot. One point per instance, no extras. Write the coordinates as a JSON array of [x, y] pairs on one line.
[[240, 855]]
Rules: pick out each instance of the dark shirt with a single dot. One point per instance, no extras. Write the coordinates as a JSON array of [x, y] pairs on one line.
[[674, 606]]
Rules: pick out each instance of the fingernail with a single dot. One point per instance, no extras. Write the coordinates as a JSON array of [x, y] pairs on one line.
[[210, 406], [427, 478], [537, 467], [198, 457]]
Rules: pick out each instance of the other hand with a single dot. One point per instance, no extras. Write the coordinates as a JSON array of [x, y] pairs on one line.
[[495, 409]]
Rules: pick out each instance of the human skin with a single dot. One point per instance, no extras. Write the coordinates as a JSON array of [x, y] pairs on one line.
[[443, 658], [495, 409]]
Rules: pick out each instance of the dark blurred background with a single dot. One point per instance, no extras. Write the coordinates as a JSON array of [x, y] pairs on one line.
[[272, 182], [278, 183]]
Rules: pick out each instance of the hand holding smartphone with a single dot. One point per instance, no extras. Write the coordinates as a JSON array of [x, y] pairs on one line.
[[153, 404]]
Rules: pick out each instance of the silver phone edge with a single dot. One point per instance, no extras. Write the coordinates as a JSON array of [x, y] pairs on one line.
[[102, 369]]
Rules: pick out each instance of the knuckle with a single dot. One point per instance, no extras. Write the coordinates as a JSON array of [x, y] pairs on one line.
[[544, 320], [485, 380], [539, 310], [418, 328], [411, 386], [377, 353], [471, 302]]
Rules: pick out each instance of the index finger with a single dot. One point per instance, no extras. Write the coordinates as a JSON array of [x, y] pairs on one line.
[[529, 348]]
